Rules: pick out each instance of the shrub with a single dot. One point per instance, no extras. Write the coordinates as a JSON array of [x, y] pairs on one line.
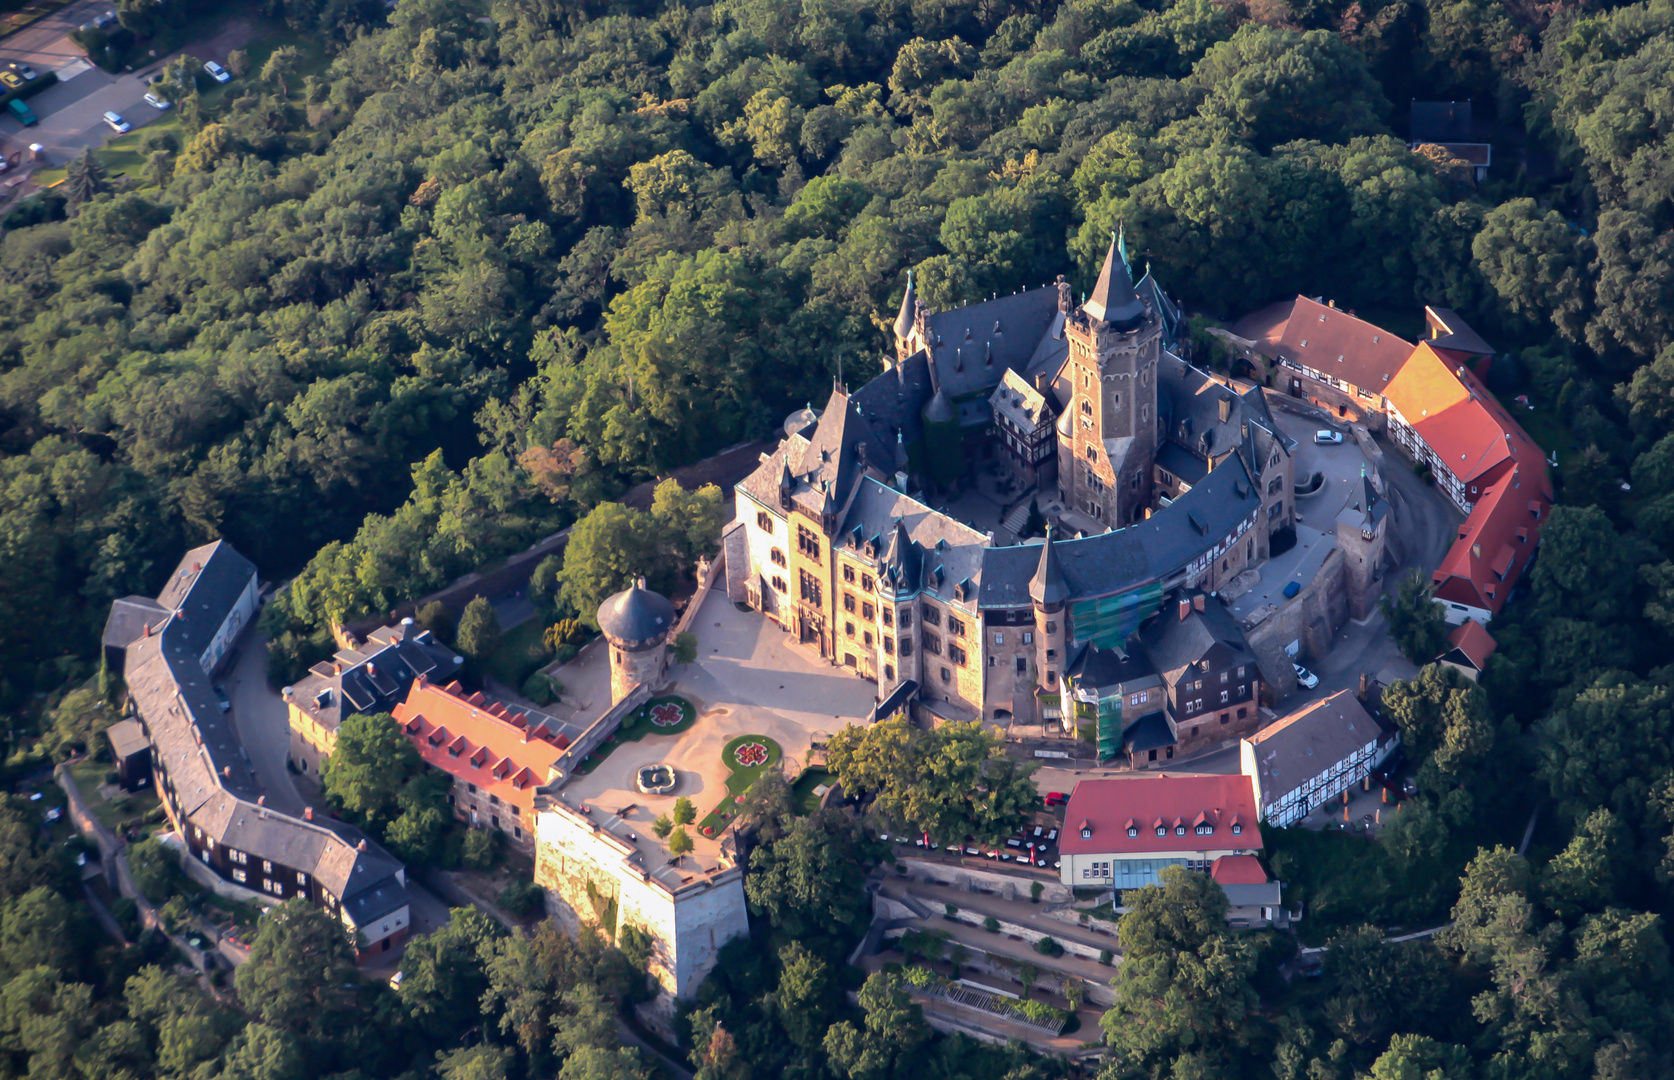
[[156, 873], [481, 850], [684, 812], [176, 914], [522, 899], [1035, 889], [1106, 956], [1047, 946], [685, 647], [952, 910], [991, 924], [437, 618], [538, 689]]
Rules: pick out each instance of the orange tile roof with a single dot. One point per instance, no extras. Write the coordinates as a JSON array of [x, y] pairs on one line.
[[1497, 541], [1335, 343], [480, 741], [1461, 421], [1238, 870], [1110, 807], [1472, 639]]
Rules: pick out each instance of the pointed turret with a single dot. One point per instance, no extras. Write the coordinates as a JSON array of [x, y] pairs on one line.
[[1048, 587], [909, 302], [1113, 299], [900, 560]]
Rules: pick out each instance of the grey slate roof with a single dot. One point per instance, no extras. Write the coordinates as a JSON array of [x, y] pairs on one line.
[[1113, 298], [128, 619], [1109, 669], [635, 615], [1245, 896], [1174, 644], [1047, 586], [1459, 336], [972, 346], [127, 738], [374, 677], [199, 749], [1020, 403], [1183, 464], [1149, 732], [1309, 741], [945, 552]]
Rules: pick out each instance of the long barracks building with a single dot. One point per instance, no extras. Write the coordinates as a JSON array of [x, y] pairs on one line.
[[1189, 475]]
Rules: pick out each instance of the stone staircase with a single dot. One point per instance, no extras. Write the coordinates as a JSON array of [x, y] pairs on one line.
[[1018, 517]]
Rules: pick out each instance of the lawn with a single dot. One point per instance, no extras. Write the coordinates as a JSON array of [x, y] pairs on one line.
[[803, 790], [520, 655], [746, 757], [652, 718], [13, 21]]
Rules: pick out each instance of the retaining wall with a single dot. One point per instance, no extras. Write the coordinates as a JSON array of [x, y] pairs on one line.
[[1002, 885]]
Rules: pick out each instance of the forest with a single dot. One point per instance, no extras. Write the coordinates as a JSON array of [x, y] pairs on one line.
[[496, 261]]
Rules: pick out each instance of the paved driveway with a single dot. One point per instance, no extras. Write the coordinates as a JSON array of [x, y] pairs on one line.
[[263, 722]]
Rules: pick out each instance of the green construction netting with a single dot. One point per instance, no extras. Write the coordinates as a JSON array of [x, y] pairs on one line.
[[1109, 620]]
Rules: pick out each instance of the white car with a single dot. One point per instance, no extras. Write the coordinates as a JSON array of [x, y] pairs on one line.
[[157, 101], [1328, 438], [117, 124], [1305, 678], [217, 72]]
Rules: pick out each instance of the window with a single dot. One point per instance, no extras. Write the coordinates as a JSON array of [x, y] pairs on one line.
[[1028, 637], [807, 543], [778, 584], [1237, 829], [931, 616], [947, 676], [1022, 666], [1086, 407], [1051, 628], [235, 856], [1136, 699], [889, 646], [1090, 456], [1241, 670], [809, 587], [848, 629], [1224, 696], [1052, 654], [764, 522], [888, 617], [955, 627], [866, 582], [848, 575], [866, 635], [889, 670], [906, 617], [1133, 831], [999, 638], [494, 800], [956, 654], [1086, 833], [301, 880], [848, 602], [1224, 675], [1205, 830], [1179, 830], [267, 867], [1241, 713], [867, 612], [906, 646], [932, 644], [778, 557], [240, 876], [1162, 830]]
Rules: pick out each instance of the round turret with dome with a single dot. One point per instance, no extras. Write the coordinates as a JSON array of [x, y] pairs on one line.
[[636, 624]]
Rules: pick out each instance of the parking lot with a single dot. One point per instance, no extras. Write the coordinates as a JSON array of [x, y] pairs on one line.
[[72, 113], [1035, 848]]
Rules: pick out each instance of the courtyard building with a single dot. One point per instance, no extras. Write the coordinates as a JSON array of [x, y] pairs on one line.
[[1312, 756]]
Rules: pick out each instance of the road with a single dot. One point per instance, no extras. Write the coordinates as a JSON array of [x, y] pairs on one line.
[[71, 113]]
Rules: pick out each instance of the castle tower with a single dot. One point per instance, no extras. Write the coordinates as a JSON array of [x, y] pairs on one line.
[[1362, 530], [1050, 592], [909, 330], [1104, 467], [636, 624], [898, 576]]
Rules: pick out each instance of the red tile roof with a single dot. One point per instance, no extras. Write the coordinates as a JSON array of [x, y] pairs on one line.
[[1497, 541], [479, 741], [1456, 416], [1473, 641], [1111, 807], [1335, 343], [1238, 870]]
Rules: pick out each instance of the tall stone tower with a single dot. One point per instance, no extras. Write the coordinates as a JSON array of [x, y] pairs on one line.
[[1362, 530], [636, 624], [1048, 591], [1104, 466]]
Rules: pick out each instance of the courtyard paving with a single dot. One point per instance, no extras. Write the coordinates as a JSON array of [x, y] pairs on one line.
[[748, 679]]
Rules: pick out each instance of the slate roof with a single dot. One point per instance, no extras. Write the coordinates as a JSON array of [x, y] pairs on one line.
[[1365, 509], [214, 786], [1107, 806], [374, 677], [1174, 644], [1187, 466], [1149, 732], [636, 615], [1108, 670], [1113, 299], [128, 619], [1020, 403], [1450, 331], [127, 738], [972, 346], [1305, 744], [945, 552]]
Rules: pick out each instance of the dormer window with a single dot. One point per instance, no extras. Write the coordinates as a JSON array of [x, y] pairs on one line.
[[1179, 830], [1237, 829], [1086, 830], [1133, 831], [1205, 830], [1162, 830]]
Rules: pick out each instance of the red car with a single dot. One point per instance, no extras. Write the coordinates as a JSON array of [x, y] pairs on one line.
[[1056, 798]]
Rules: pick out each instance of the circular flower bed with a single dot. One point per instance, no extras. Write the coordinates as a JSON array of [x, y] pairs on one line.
[[667, 714], [751, 754]]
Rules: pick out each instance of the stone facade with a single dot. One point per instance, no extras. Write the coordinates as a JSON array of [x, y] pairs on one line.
[[594, 874]]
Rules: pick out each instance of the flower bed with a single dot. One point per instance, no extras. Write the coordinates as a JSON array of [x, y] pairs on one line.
[[746, 757]]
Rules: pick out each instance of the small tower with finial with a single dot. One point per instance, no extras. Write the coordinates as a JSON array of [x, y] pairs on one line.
[[636, 624]]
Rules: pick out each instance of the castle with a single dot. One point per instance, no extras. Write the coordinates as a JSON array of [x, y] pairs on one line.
[[1176, 479]]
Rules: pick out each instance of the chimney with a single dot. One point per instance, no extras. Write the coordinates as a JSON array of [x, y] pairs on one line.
[[226, 771], [372, 670], [307, 813], [147, 629], [336, 668], [1185, 609], [1042, 381], [1365, 687], [361, 846], [1197, 603], [1226, 409], [261, 800], [287, 692]]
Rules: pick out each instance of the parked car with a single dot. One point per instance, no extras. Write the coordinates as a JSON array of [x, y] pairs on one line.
[[22, 69], [1305, 678], [217, 72], [1328, 438], [107, 19], [157, 101], [221, 697], [11, 80], [115, 122], [395, 981], [1056, 798]]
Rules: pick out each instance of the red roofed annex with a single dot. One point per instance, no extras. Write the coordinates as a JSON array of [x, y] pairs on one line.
[[1122, 833], [498, 757]]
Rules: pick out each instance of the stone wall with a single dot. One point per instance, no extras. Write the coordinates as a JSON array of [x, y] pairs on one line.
[[603, 728], [1001, 885], [1312, 618]]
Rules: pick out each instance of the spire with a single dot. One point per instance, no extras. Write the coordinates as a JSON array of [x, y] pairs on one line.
[[1048, 585], [1122, 246], [1114, 300], [904, 321]]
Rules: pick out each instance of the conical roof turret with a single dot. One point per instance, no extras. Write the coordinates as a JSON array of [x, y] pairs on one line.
[[1113, 299], [1048, 585], [904, 321]]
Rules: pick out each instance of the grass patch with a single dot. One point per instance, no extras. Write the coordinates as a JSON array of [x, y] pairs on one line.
[[520, 655], [648, 719], [803, 790], [13, 21], [746, 757], [119, 811]]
